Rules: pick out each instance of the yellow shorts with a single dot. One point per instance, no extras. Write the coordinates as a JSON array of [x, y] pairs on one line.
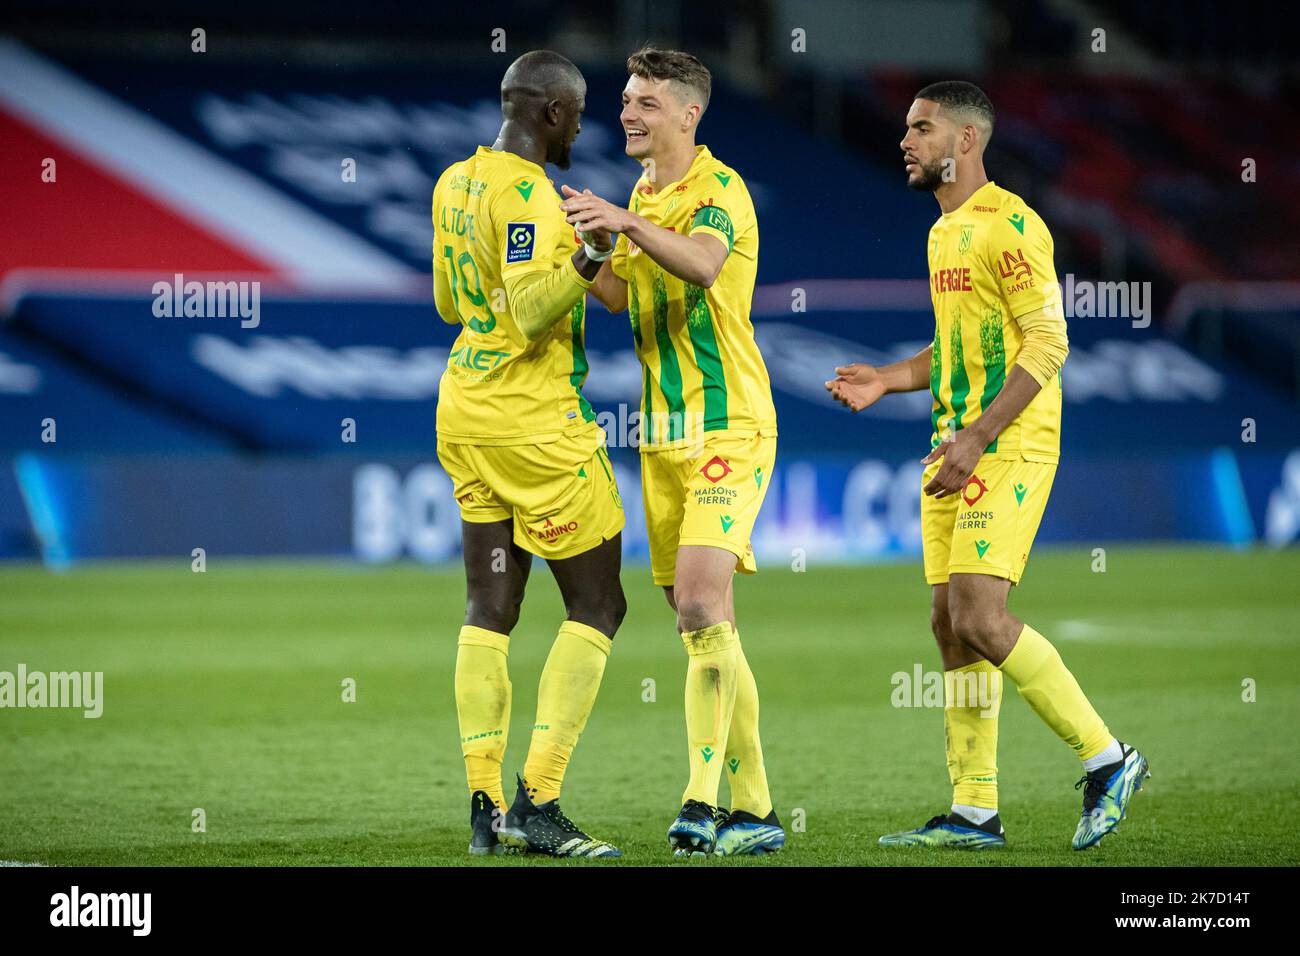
[[708, 496], [561, 495], [989, 527]]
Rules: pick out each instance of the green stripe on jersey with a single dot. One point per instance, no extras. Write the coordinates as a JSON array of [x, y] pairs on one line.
[[670, 372], [936, 382], [993, 350], [634, 314], [580, 367], [699, 322], [959, 379]]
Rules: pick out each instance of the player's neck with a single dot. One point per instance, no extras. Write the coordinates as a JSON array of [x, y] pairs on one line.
[[671, 167], [951, 195], [514, 138]]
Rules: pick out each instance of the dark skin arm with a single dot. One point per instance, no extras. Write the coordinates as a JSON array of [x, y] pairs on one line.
[[962, 454], [587, 268]]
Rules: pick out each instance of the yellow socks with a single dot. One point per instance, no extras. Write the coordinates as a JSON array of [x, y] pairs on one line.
[[565, 696], [972, 699], [483, 707], [710, 699], [745, 770], [1051, 690]]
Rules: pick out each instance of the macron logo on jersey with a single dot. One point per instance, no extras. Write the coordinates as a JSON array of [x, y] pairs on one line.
[[519, 241]]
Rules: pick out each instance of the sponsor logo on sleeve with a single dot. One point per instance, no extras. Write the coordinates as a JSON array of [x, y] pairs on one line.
[[1014, 267], [520, 240]]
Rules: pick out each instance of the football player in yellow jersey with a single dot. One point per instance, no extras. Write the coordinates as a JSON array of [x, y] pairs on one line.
[[994, 373], [524, 452], [684, 267]]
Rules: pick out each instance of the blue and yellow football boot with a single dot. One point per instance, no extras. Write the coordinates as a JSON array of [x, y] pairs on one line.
[[743, 834], [695, 830], [1106, 793], [952, 830]]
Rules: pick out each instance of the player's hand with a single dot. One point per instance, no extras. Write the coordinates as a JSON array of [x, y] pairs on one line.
[[599, 239], [587, 212], [856, 386], [960, 456]]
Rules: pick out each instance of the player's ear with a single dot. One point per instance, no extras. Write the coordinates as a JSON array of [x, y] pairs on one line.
[[691, 118]]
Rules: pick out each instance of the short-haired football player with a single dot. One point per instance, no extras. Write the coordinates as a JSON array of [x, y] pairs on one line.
[[684, 267], [993, 371], [524, 452]]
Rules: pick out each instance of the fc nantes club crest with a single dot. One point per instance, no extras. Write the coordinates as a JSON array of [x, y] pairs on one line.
[[963, 243]]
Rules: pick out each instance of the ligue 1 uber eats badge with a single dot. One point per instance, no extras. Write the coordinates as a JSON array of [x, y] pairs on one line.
[[520, 237]]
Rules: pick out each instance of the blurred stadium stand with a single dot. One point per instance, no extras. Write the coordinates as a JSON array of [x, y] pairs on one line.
[[175, 432]]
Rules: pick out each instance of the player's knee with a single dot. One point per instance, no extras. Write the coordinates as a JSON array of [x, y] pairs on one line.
[[611, 612], [975, 626], [494, 611], [604, 612], [696, 610]]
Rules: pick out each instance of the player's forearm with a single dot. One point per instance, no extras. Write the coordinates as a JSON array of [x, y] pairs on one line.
[[1017, 392], [1045, 345], [909, 375], [539, 299], [586, 267], [610, 289], [686, 258]]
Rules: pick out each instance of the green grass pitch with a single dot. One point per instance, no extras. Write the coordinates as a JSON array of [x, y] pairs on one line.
[[223, 692]]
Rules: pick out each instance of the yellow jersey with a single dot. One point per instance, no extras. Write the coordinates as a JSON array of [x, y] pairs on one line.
[[990, 262], [701, 368], [495, 215]]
